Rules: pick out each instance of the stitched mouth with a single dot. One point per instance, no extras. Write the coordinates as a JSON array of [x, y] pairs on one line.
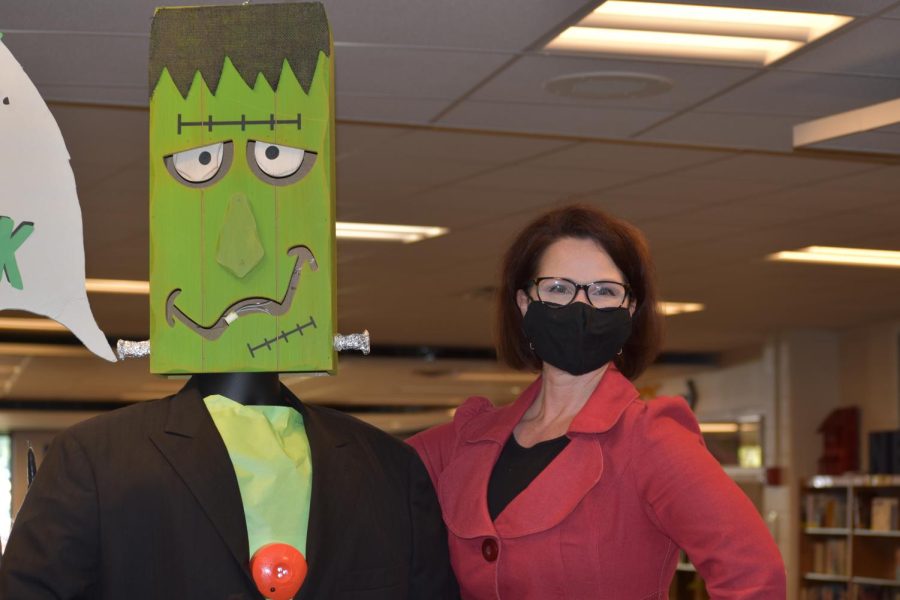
[[247, 306]]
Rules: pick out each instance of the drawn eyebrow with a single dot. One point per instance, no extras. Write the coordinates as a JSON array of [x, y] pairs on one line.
[[210, 123]]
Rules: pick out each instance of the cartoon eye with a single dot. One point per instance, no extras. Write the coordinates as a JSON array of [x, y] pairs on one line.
[[277, 164], [200, 167]]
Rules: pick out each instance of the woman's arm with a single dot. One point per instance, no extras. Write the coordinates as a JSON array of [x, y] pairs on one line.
[[701, 509]]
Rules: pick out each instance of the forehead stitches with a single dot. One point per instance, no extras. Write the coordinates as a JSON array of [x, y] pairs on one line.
[[210, 123]]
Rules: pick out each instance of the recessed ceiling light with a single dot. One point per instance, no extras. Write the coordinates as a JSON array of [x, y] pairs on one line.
[[840, 256], [389, 233], [608, 85], [718, 33], [677, 308]]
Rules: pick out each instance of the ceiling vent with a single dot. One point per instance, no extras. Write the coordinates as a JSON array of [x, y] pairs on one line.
[[608, 85]]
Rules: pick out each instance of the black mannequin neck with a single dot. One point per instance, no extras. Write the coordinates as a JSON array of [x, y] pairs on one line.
[[249, 389]]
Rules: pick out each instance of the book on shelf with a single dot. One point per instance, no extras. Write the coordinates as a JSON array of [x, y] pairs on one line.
[[871, 592], [884, 513], [825, 510], [824, 591], [830, 557]]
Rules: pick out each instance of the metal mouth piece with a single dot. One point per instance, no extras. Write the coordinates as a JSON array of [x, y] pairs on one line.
[[247, 306]]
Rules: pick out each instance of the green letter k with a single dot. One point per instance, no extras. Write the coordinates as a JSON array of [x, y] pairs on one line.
[[10, 240]]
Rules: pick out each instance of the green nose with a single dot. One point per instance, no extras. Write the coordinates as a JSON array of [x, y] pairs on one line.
[[239, 249]]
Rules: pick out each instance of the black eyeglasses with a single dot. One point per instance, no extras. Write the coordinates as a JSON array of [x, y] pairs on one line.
[[559, 291]]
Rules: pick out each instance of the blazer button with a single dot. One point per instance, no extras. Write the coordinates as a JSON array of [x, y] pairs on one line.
[[489, 549]]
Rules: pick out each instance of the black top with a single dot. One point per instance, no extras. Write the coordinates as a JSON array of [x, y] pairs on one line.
[[516, 468]]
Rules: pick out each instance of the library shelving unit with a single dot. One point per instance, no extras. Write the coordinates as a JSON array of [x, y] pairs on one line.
[[850, 541]]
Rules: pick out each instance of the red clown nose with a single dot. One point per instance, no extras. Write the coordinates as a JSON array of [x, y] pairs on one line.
[[278, 571]]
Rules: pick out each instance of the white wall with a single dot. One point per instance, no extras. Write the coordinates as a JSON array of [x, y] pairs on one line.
[[869, 378]]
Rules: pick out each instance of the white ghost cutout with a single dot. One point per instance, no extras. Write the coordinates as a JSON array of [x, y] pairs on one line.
[[41, 239]]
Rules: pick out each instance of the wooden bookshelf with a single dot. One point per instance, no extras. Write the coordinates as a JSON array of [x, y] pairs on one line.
[[850, 541]]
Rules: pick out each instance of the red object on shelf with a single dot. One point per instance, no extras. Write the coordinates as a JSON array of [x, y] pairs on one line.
[[278, 571], [773, 475], [840, 436]]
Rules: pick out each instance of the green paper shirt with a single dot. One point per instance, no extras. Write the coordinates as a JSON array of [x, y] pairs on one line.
[[270, 453]]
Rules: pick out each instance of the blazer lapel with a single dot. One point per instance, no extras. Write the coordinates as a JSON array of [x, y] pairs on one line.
[[333, 492], [462, 486], [192, 445], [560, 488], [556, 491]]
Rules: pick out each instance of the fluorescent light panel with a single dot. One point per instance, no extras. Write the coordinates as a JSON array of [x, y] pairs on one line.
[[719, 427], [678, 308], [696, 32], [384, 232], [117, 286], [840, 256], [26, 324], [847, 123]]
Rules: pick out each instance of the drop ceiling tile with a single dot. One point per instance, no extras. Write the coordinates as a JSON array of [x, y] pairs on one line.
[[99, 95], [779, 170], [557, 179], [676, 192], [387, 109], [741, 132], [102, 141], [632, 157], [500, 24], [353, 138], [374, 169], [838, 7], [525, 81], [539, 118], [93, 15], [641, 209], [458, 206], [818, 201], [867, 49], [879, 141], [95, 69], [410, 73], [358, 198], [805, 94], [768, 210], [881, 182], [472, 146]]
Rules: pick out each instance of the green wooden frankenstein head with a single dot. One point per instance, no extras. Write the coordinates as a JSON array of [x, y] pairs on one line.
[[242, 273]]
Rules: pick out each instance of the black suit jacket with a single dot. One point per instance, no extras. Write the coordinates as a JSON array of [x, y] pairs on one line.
[[142, 503]]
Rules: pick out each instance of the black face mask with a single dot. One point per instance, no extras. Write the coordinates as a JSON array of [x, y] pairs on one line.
[[576, 338]]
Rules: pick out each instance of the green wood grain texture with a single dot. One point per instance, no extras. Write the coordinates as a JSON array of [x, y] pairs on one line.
[[186, 224]]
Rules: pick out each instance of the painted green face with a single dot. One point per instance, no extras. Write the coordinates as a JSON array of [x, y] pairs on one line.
[[242, 271]]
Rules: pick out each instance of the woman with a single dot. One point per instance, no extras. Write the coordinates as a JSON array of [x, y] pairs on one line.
[[579, 489]]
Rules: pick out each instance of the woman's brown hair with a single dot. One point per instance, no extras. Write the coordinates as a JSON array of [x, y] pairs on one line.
[[628, 249]]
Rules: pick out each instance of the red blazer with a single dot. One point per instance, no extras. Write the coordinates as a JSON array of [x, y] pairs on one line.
[[606, 518]]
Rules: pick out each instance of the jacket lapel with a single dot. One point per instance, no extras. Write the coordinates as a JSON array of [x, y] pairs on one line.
[[556, 491], [462, 486], [192, 445], [333, 492], [560, 488]]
